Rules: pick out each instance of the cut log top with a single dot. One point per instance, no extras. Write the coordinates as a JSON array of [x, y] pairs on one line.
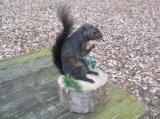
[[100, 80]]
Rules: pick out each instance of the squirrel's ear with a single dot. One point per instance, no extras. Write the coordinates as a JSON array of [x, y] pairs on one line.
[[86, 29], [85, 32], [87, 26]]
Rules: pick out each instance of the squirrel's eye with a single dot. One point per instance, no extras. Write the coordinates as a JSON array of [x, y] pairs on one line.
[[94, 32]]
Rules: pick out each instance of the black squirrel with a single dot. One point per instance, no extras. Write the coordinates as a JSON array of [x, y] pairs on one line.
[[69, 49]]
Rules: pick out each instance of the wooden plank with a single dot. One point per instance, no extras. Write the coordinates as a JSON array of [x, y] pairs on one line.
[[29, 86], [120, 105], [31, 93], [25, 64]]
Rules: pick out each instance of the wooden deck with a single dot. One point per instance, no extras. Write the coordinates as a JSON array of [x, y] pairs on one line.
[[28, 90]]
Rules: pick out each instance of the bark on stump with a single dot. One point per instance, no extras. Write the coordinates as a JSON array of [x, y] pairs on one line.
[[91, 97]]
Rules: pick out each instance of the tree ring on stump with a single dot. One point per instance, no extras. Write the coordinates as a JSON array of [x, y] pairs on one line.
[[92, 96]]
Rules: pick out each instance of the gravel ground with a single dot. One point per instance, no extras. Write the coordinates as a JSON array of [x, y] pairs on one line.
[[129, 52]]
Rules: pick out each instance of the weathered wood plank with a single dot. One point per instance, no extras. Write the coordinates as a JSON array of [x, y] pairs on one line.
[[120, 105], [49, 107], [69, 114], [40, 81], [31, 80], [25, 64], [50, 112], [30, 105], [31, 93]]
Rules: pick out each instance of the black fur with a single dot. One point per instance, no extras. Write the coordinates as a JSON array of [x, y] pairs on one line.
[[67, 22], [69, 52]]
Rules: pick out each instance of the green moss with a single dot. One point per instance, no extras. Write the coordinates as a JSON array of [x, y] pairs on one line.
[[134, 109], [69, 82], [119, 105], [23, 58]]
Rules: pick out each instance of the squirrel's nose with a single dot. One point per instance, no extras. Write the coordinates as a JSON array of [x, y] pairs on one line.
[[101, 39], [101, 35]]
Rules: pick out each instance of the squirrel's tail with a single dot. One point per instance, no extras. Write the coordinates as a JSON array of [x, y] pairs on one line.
[[67, 22]]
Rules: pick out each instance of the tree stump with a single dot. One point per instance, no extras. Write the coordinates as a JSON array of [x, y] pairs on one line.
[[91, 97]]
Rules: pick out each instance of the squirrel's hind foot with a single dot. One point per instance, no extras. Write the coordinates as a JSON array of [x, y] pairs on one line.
[[93, 72]]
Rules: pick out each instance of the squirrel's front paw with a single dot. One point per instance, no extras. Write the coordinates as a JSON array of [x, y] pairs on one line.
[[96, 73], [93, 46], [90, 80]]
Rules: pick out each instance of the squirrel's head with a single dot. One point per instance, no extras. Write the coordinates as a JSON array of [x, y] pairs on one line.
[[91, 32]]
